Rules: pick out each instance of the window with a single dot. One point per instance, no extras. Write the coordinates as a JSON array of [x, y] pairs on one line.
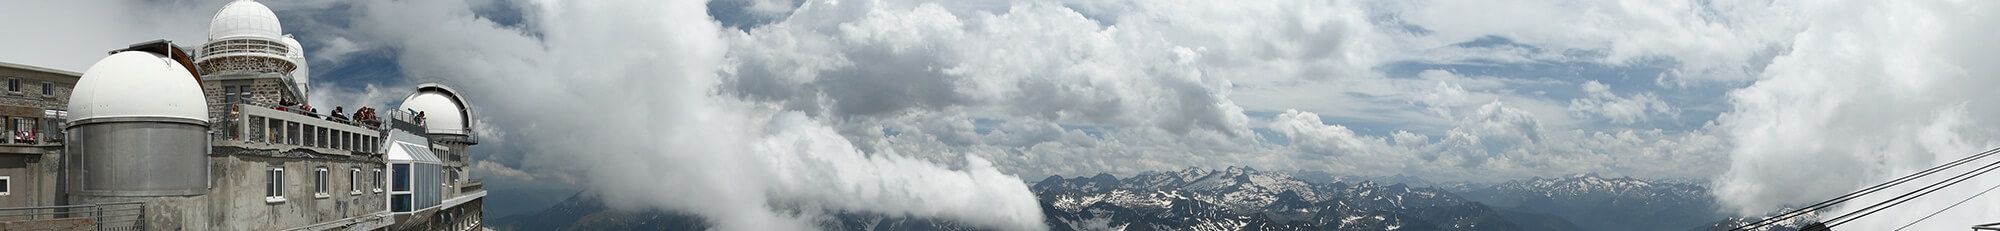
[[292, 133], [354, 181], [378, 180], [13, 85], [48, 88], [319, 183], [24, 129], [274, 185], [274, 129], [229, 94], [400, 197], [402, 182], [307, 130], [6, 185], [320, 134]]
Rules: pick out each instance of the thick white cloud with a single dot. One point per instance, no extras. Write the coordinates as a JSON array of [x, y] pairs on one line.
[[1113, 86], [1041, 61], [1870, 91], [619, 94]]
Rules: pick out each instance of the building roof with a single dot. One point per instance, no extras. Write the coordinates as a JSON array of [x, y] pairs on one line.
[[244, 18], [39, 69], [137, 84], [406, 151]]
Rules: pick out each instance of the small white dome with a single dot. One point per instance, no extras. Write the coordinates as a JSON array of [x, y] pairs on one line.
[[292, 47], [297, 54], [244, 18], [444, 112], [137, 84]]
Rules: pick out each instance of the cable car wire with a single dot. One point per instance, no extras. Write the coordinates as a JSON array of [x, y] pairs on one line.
[[1912, 195], [1953, 205], [1863, 192]]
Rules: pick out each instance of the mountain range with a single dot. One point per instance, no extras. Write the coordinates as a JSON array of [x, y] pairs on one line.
[[1242, 198]]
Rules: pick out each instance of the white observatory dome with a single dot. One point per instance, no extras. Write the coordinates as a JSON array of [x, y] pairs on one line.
[[137, 84], [297, 53], [294, 49], [444, 111], [244, 18]]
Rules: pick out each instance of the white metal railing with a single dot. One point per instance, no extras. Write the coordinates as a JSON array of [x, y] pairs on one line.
[[270, 124], [244, 45]]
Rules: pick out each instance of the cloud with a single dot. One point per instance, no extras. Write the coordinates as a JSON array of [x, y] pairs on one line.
[[1869, 91], [1497, 142], [490, 169], [619, 94], [810, 92], [864, 60], [1309, 134], [71, 35], [1711, 41], [336, 49], [1601, 102], [1111, 86]]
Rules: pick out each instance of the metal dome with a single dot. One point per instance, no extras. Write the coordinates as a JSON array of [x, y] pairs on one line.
[[137, 84], [444, 111], [300, 75], [244, 18], [296, 51]]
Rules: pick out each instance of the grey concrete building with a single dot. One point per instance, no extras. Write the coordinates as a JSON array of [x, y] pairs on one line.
[[222, 139], [32, 110]]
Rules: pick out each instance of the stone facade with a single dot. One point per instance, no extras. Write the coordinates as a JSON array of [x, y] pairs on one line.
[[31, 163], [269, 88]]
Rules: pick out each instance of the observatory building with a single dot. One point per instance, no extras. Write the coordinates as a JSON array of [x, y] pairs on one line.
[[220, 137]]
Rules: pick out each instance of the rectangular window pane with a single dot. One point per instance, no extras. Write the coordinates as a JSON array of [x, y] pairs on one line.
[[400, 202], [275, 186], [309, 130], [319, 180], [402, 177], [48, 88]]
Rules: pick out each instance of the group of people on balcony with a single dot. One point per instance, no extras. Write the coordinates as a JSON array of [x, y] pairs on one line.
[[25, 137], [364, 117]]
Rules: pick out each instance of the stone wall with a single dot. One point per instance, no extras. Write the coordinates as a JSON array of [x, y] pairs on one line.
[[264, 87]]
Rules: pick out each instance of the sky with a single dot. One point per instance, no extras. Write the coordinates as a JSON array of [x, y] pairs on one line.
[[764, 114]]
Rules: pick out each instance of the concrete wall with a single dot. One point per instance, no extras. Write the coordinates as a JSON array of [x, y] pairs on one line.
[[30, 178], [443, 218], [237, 199], [162, 212], [240, 194], [31, 172]]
